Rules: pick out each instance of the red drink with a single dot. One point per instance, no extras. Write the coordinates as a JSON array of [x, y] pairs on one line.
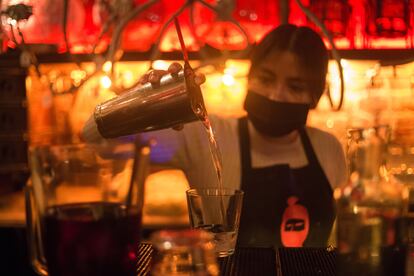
[[91, 239]]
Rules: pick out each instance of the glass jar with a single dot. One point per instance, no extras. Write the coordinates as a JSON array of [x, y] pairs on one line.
[[183, 253], [370, 206]]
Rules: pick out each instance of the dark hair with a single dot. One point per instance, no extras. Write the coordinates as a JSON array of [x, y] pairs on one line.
[[305, 43]]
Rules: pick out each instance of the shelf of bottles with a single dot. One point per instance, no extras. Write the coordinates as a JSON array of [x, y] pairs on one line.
[[354, 24]]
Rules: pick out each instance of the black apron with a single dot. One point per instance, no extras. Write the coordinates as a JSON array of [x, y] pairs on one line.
[[284, 206]]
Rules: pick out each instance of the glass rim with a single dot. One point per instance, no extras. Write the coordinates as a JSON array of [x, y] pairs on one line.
[[212, 191]]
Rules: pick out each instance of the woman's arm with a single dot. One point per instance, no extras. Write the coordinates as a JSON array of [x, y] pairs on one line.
[[118, 109]]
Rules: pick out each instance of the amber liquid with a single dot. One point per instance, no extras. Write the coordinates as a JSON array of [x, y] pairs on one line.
[[215, 152], [201, 113], [217, 162], [91, 239]]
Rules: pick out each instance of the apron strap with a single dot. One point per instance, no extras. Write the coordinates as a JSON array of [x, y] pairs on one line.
[[313, 162], [307, 145]]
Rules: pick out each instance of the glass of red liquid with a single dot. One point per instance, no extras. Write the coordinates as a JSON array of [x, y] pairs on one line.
[[84, 206]]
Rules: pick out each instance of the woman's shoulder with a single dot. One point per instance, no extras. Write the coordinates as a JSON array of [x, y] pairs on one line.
[[319, 136], [330, 154]]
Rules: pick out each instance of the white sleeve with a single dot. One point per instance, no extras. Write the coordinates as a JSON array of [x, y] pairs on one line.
[[338, 167], [168, 147], [331, 156], [189, 151]]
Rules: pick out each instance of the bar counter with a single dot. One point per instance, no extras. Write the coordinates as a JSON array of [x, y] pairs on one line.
[[245, 261], [263, 261]]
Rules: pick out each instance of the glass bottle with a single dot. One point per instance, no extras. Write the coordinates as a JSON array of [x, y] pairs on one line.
[[387, 24], [337, 16], [183, 253], [370, 209]]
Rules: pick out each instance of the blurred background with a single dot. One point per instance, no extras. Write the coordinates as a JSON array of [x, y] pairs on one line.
[[60, 58]]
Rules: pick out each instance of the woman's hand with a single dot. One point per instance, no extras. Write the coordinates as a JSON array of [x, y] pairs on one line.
[[154, 76]]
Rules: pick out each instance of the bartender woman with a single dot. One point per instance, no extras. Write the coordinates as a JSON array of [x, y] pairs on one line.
[[287, 170]]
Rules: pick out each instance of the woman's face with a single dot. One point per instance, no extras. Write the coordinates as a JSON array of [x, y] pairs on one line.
[[281, 78]]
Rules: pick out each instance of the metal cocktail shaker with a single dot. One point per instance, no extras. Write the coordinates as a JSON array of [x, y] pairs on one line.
[[177, 99]]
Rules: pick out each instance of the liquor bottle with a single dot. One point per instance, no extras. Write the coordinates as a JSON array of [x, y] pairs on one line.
[[370, 209]]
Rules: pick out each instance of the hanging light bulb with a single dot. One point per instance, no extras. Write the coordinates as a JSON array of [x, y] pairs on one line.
[[105, 82], [77, 76], [225, 87], [228, 79], [107, 67], [160, 65]]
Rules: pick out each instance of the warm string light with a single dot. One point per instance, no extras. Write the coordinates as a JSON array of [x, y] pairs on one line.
[[105, 82], [107, 67], [228, 79], [77, 76], [225, 88], [160, 65]]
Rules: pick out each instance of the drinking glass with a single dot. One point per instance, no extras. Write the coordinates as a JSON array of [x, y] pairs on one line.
[[218, 212], [84, 206]]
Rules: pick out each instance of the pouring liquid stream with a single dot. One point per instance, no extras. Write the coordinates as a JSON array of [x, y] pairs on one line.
[[201, 112], [217, 160]]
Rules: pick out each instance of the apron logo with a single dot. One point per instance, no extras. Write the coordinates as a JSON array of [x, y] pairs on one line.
[[295, 224]]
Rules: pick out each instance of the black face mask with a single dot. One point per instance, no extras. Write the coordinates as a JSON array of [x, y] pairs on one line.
[[274, 118]]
